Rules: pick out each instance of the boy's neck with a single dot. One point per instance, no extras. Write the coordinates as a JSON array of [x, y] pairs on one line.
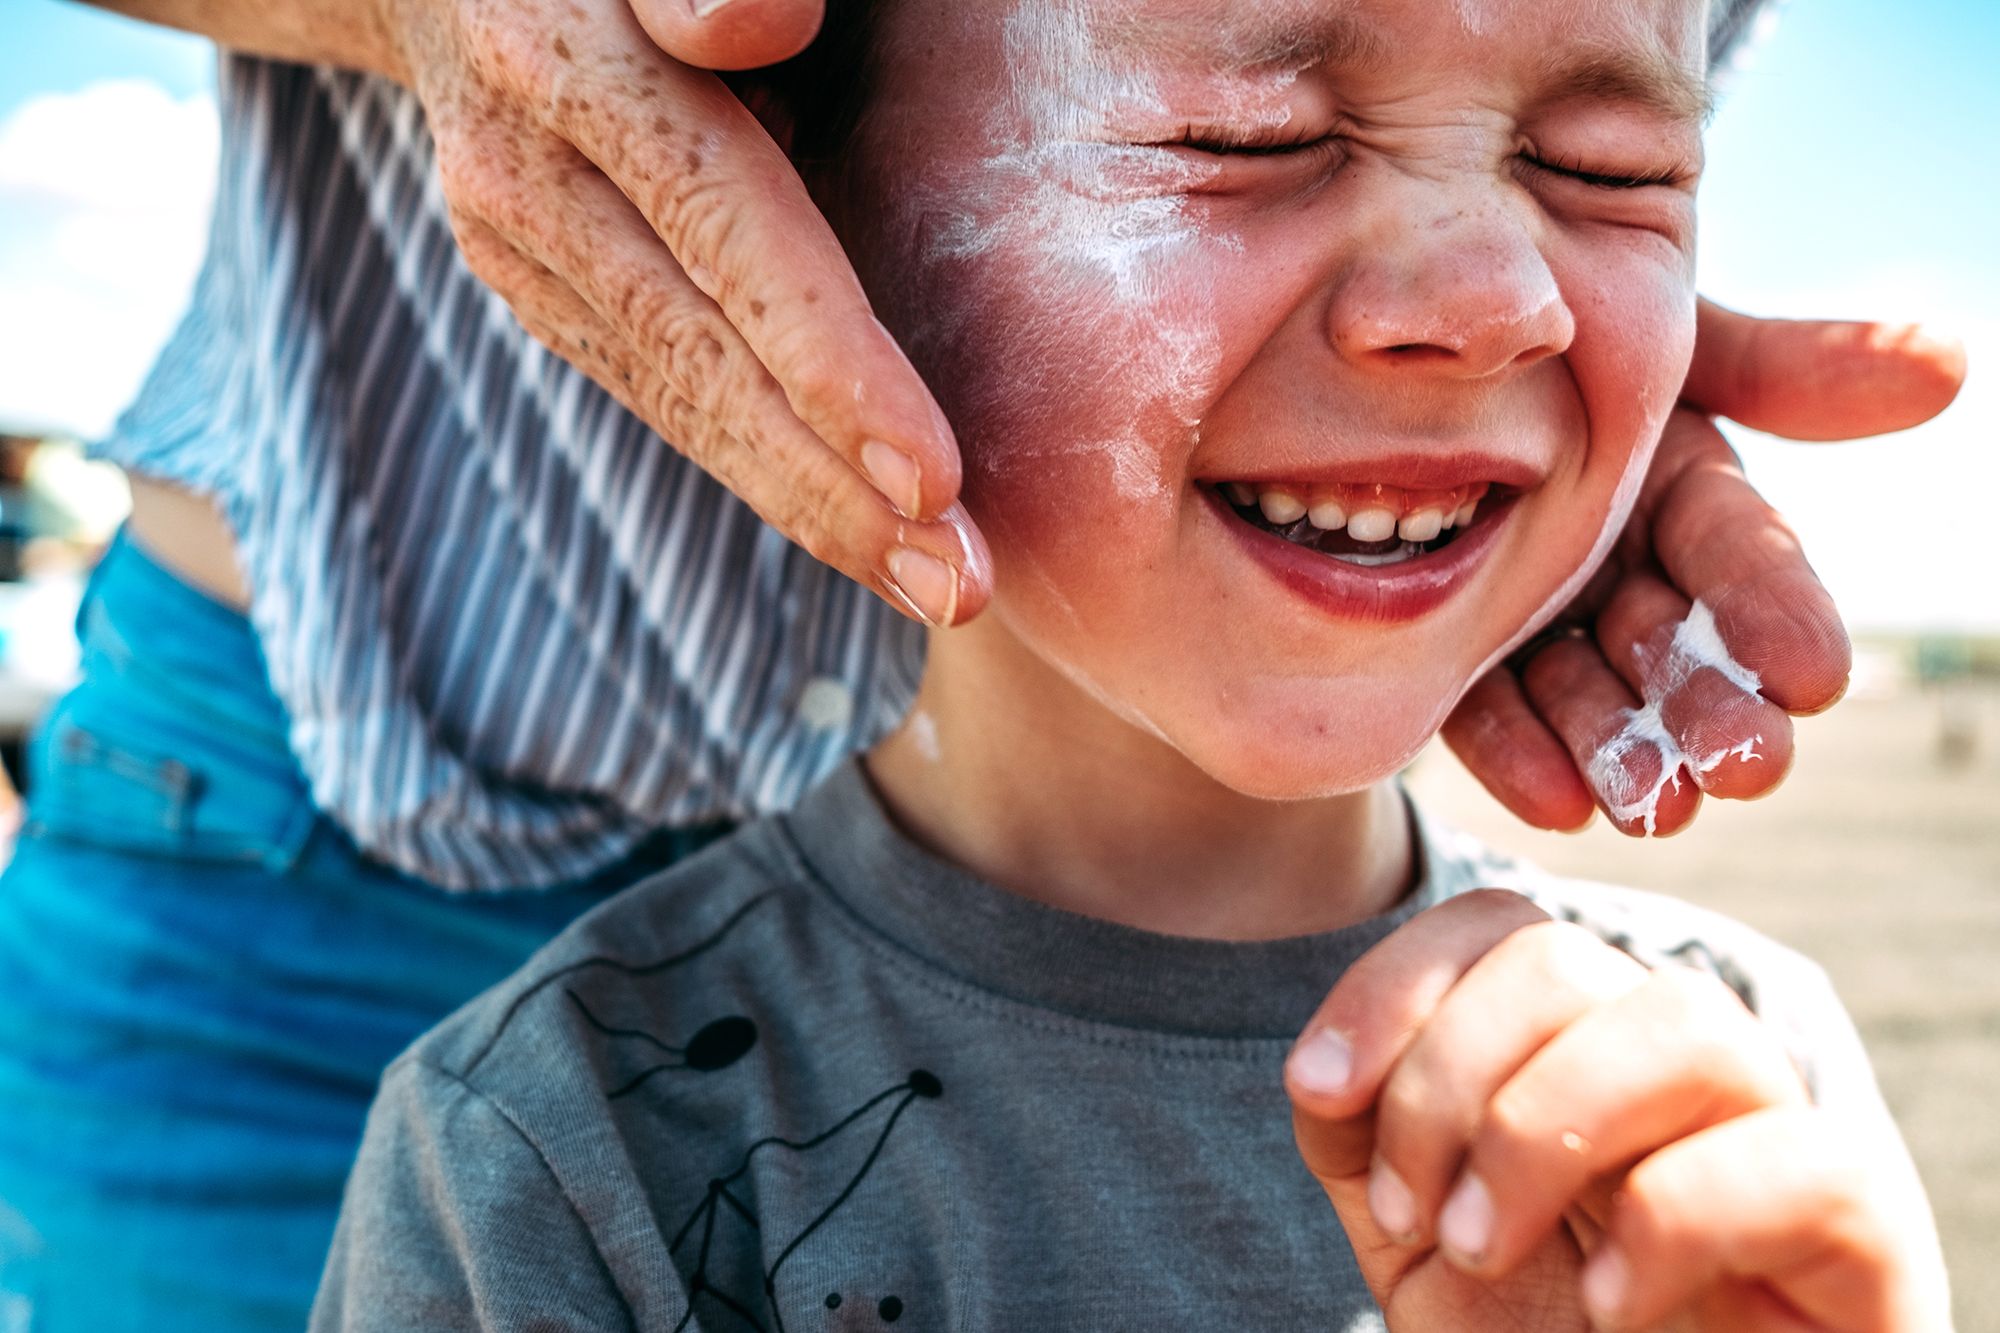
[[1016, 774]]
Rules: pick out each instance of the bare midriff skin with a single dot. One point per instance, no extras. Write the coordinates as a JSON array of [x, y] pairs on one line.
[[187, 534]]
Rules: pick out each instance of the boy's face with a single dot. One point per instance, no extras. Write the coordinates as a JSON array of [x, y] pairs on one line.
[[1181, 268]]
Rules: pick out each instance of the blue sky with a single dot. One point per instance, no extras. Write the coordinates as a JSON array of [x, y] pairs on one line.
[[1852, 171]]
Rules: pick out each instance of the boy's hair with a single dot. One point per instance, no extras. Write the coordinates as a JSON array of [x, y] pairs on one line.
[[822, 91]]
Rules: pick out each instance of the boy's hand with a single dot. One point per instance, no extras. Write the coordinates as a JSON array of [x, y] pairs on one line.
[[1534, 1131], [1531, 729]]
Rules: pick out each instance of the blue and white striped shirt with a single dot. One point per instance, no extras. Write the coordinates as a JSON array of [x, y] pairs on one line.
[[515, 631]]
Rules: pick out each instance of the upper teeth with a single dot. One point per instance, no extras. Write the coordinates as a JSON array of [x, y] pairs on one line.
[[1281, 506], [1328, 516], [1420, 526], [1372, 525], [1368, 513]]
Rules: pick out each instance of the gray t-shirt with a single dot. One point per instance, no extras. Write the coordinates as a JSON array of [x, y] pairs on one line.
[[817, 1079]]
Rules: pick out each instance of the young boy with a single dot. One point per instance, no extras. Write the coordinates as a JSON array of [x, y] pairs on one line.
[[1305, 356]]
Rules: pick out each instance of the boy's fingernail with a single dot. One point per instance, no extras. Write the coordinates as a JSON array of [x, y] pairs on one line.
[[927, 585], [1605, 1279], [1465, 1227], [1322, 1063], [895, 474], [1395, 1208]]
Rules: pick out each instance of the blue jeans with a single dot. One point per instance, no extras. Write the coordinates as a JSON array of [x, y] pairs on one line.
[[200, 980]]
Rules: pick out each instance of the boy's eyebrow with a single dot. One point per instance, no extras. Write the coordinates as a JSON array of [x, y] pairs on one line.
[[1338, 40], [1646, 76]]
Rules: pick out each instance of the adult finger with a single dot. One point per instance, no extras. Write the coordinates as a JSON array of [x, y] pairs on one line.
[[730, 207], [1634, 768], [1532, 985], [1722, 546], [908, 564], [786, 472], [1504, 743], [1734, 742], [1373, 1014], [730, 34], [1673, 1056], [1771, 1214], [1820, 379]]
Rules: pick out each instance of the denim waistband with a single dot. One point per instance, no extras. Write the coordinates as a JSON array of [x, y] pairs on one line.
[[173, 741]]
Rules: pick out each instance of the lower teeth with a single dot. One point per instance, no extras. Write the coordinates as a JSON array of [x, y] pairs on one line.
[[1404, 551]]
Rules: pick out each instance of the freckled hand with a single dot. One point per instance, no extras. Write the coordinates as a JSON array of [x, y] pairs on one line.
[[1707, 631], [643, 224]]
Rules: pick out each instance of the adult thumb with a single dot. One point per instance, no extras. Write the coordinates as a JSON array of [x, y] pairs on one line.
[[1820, 379], [730, 34]]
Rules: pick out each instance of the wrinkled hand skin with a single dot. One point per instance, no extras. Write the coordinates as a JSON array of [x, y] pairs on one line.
[[629, 208], [1530, 729], [1648, 1156]]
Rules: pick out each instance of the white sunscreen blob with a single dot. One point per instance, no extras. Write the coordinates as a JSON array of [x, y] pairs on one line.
[[1106, 226], [1696, 644]]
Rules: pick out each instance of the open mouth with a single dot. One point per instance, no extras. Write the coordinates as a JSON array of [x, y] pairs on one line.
[[1365, 525]]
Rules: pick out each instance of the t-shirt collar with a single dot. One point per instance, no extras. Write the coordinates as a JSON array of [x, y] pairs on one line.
[[1038, 955]]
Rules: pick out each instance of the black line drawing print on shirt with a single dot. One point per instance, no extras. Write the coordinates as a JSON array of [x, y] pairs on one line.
[[715, 1046], [722, 1204]]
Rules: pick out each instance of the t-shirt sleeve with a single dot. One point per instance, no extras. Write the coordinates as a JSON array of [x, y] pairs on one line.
[[453, 1220]]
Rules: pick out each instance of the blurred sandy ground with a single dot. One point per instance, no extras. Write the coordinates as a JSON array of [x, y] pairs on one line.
[[1880, 858]]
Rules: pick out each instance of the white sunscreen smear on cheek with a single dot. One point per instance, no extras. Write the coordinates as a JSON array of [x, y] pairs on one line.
[[1475, 16], [1106, 228], [1696, 644]]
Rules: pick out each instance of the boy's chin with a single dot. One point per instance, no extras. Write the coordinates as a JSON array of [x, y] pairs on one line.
[[1305, 768]]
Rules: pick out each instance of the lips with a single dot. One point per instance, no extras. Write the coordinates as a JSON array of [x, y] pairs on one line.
[[1367, 582]]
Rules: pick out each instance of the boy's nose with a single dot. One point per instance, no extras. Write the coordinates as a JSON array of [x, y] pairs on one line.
[[1457, 295]]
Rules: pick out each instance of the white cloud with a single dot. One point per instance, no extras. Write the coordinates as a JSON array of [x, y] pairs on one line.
[[118, 144], [104, 201]]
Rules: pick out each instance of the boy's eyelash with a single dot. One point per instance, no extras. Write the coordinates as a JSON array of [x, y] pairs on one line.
[[1605, 180], [1222, 144]]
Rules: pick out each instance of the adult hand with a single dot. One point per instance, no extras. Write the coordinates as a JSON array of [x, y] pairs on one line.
[[1521, 1127], [642, 224], [1566, 726]]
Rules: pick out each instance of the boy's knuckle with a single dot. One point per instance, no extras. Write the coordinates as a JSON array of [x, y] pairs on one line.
[[1697, 998], [1515, 1122], [1411, 1104], [1652, 1215], [1569, 956], [1499, 903]]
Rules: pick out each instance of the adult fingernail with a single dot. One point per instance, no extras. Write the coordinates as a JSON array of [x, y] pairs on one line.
[[1605, 1279], [895, 474], [1465, 1227], [1395, 1208], [1322, 1063], [927, 585]]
